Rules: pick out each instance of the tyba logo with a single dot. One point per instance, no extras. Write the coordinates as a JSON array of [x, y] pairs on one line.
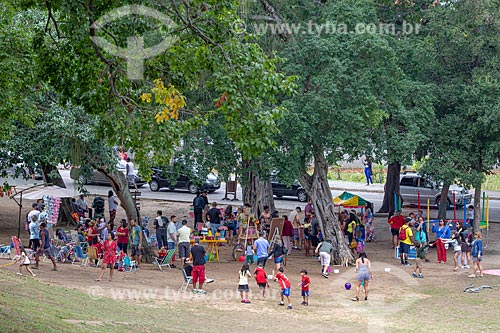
[[134, 53]]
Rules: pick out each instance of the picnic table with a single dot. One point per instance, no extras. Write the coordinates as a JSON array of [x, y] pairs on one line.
[[212, 247]]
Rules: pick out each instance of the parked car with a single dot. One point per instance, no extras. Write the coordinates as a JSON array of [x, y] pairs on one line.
[[412, 183], [283, 190], [165, 177], [98, 178]]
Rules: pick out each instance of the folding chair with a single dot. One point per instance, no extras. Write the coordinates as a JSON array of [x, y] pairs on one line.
[[5, 251], [186, 281], [165, 261], [92, 255], [17, 243], [61, 235], [74, 237], [76, 240], [84, 258], [129, 265]]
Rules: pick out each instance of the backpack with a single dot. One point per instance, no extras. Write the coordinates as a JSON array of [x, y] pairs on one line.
[[199, 202], [402, 233]]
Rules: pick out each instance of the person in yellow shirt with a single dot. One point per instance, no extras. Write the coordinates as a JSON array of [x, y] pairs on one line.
[[405, 241], [351, 228]]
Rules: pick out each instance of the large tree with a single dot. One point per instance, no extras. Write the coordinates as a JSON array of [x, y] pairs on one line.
[[349, 85], [457, 52], [18, 73], [205, 56]]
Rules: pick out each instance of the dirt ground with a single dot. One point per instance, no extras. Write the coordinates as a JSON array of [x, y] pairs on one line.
[[390, 292]]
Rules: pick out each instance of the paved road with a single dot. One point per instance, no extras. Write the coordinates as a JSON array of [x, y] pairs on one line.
[[373, 193]]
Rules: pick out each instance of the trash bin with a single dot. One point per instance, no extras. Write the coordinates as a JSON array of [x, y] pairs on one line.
[[231, 186]]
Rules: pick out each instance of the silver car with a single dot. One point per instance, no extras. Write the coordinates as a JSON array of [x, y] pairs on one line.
[[411, 184]]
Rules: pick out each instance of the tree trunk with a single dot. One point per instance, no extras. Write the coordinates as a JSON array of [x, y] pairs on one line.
[[477, 207], [257, 191], [52, 176], [122, 191], [443, 201], [318, 189], [391, 187]]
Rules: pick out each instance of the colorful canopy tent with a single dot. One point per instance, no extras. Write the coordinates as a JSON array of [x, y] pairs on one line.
[[349, 200]]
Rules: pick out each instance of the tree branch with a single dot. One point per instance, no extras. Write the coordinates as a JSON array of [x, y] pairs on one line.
[[271, 11], [50, 18], [189, 24]]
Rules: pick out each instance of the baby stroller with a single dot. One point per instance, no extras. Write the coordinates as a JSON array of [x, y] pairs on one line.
[[98, 205]]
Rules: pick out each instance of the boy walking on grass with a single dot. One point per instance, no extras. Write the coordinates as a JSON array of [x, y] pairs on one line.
[[306, 281], [285, 287], [418, 261]]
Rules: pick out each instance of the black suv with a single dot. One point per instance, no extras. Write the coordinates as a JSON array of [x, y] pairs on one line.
[[163, 178], [294, 190]]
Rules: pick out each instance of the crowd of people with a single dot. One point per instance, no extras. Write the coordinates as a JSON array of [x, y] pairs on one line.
[[301, 232], [414, 231]]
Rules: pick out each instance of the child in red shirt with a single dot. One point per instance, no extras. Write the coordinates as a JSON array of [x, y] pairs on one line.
[[162, 253], [306, 281], [261, 279], [120, 260], [285, 287], [99, 250]]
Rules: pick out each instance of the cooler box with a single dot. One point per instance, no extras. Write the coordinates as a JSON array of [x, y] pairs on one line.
[[411, 255]]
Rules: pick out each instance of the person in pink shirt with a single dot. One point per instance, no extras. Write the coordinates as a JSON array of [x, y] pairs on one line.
[[122, 236], [109, 257]]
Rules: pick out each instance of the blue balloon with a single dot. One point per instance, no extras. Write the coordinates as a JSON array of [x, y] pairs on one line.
[[347, 286]]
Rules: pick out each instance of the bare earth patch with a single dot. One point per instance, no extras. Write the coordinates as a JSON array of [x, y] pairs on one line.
[[423, 304]]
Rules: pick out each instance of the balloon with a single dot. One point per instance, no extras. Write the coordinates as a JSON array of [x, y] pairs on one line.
[[347, 286]]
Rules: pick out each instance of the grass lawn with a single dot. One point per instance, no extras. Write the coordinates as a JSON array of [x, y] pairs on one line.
[[29, 305]]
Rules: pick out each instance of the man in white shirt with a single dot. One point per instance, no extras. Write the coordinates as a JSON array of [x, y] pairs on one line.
[[34, 211], [81, 205], [183, 237], [172, 232]]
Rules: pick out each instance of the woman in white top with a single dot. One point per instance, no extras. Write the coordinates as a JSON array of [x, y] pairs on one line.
[[244, 274]]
